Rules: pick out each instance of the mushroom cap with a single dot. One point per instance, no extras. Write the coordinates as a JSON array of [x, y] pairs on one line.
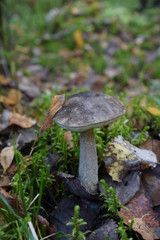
[[86, 110]]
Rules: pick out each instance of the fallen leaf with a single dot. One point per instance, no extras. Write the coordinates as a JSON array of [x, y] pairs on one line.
[[153, 111], [63, 213], [56, 104], [121, 157], [6, 157], [5, 181], [153, 145], [2, 98], [104, 231], [21, 121], [146, 221], [4, 80], [77, 35], [42, 222], [29, 88], [13, 98], [14, 202], [151, 182], [68, 137]]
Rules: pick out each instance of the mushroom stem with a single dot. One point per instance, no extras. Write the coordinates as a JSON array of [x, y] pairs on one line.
[[88, 165]]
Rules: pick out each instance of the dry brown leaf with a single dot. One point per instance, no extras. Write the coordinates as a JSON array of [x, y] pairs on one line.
[[56, 104], [5, 181], [153, 145], [43, 222], [146, 221], [68, 137], [6, 157], [12, 200], [4, 80], [21, 121], [13, 98]]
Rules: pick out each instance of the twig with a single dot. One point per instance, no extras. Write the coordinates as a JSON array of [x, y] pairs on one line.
[[31, 227]]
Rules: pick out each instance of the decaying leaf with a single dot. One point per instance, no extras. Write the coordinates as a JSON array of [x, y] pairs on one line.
[[21, 121], [6, 157], [62, 214], [78, 38], [107, 229], [13, 98], [68, 137], [12, 200], [4, 80], [5, 181], [56, 104], [146, 221], [154, 111], [153, 145], [2, 98], [122, 156], [151, 182], [42, 222]]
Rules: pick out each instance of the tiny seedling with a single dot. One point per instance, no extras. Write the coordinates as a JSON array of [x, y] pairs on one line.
[[111, 202], [122, 230], [77, 222]]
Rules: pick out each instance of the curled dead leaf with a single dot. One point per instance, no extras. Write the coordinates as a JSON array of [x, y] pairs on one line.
[[6, 157], [56, 104], [13, 98], [146, 221], [21, 121], [4, 80], [13, 202]]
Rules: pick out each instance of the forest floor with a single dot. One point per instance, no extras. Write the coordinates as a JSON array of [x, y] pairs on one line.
[[49, 49]]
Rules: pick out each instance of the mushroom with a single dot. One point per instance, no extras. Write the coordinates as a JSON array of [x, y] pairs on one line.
[[82, 112]]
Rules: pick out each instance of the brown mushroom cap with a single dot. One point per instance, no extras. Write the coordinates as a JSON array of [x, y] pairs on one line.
[[87, 110]]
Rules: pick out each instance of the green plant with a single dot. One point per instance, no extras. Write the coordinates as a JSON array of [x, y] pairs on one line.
[[122, 230], [124, 127], [111, 202], [77, 222], [139, 114], [156, 124], [12, 226], [29, 183]]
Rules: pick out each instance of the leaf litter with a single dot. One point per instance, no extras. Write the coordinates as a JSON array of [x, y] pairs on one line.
[[127, 175]]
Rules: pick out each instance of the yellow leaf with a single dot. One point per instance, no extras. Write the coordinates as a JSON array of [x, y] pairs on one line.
[[4, 80], [2, 98], [78, 38], [154, 111]]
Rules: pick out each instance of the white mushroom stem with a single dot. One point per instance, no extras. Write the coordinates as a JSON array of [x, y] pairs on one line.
[[88, 165]]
